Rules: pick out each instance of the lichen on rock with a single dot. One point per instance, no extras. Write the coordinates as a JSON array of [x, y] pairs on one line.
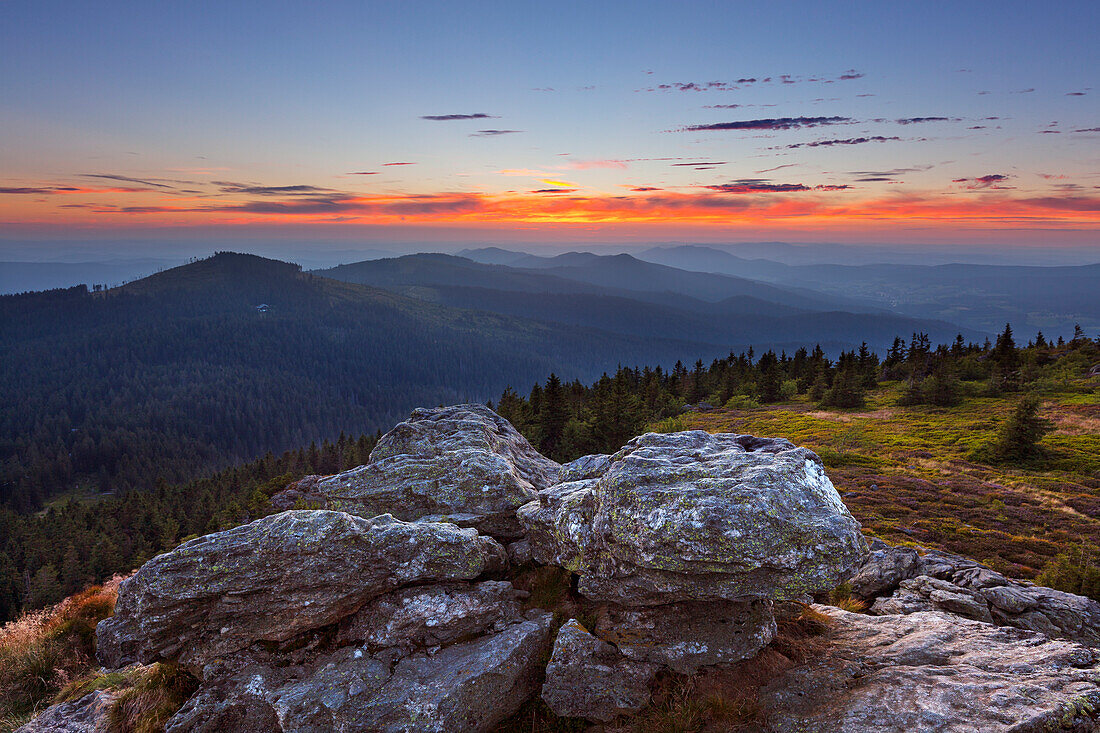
[[694, 516], [464, 464]]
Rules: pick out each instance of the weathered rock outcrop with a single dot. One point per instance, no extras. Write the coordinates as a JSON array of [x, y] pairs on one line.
[[907, 579], [931, 671], [463, 464], [276, 578], [589, 678], [684, 540], [686, 636], [89, 714], [694, 516], [468, 686], [431, 616]]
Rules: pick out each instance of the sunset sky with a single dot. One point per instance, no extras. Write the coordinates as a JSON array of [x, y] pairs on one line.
[[517, 121]]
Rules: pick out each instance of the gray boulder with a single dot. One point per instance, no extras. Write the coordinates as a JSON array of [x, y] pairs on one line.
[[432, 615], [276, 578], [463, 464], [931, 594], [589, 678], [932, 671], [690, 635], [694, 516], [468, 686], [89, 714], [907, 579]]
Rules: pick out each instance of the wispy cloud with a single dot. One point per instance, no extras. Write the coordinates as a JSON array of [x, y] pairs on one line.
[[386, 164], [919, 120], [993, 180], [609, 163], [771, 123], [763, 185], [734, 84], [295, 190], [552, 182], [452, 118], [493, 133], [364, 173], [28, 190], [844, 141], [126, 179]]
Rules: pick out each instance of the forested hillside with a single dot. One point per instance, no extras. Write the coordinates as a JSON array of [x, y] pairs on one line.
[[222, 360]]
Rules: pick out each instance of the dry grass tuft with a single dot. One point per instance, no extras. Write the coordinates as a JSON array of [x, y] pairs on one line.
[[155, 694], [46, 651], [848, 603], [798, 636]]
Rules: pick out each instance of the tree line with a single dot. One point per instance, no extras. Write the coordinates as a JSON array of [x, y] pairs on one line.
[[566, 421]]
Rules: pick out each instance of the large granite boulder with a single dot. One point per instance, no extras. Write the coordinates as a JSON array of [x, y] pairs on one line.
[[467, 686], [589, 678], [908, 579], [694, 516], [463, 464], [276, 578], [932, 671], [686, 636]]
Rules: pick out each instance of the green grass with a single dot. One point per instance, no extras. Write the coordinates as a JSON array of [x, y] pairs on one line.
[[909, 473]]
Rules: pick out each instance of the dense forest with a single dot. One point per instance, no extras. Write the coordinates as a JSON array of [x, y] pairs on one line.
[[54, 553], [220, 361], [569, 420], [77, 540]]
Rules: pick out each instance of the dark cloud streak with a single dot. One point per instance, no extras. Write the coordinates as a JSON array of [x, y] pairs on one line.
[[452, 118], [771, 123]]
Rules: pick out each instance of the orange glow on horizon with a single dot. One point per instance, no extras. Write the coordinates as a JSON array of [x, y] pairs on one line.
[[831, 210]]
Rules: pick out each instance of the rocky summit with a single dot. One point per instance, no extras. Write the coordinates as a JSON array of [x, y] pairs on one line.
[[463, 464], [679, 557], [694, 516]]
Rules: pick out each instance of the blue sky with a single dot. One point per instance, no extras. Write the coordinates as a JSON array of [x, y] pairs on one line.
[[241, 117]]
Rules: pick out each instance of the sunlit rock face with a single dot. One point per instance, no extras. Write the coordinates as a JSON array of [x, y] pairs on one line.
[[694, 516], [933, 671], [463, 464]]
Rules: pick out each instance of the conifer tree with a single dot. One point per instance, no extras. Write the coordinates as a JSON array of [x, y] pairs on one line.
[[552, 417], [1020, 435]]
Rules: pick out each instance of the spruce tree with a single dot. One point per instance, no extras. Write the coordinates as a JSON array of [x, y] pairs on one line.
[[1020, 435], [552, 418]]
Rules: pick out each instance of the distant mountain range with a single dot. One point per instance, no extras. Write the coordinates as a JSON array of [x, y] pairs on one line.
[[625, 295], [983, 297]]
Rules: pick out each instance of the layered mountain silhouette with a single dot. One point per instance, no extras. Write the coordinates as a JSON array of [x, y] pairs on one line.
[[223, 359]]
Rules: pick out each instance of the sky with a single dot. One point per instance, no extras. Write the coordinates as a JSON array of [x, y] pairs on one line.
[[382, 122]]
